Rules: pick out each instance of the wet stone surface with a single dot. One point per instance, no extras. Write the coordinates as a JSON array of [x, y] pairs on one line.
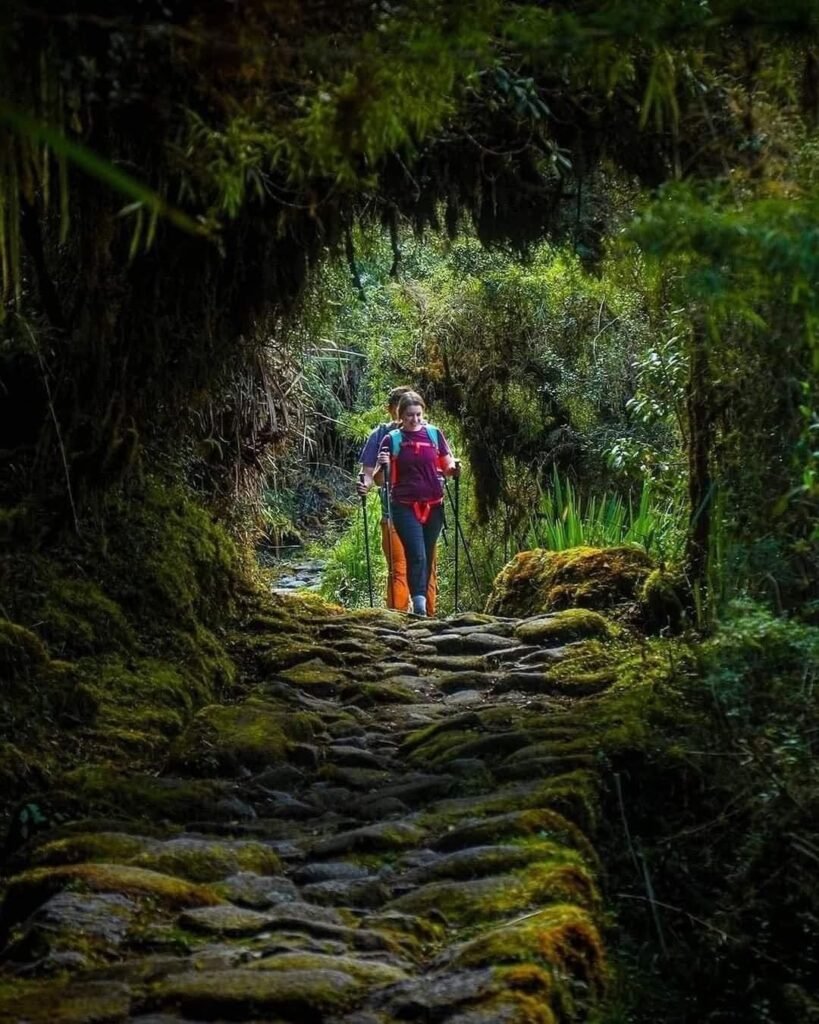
[[396, 825]]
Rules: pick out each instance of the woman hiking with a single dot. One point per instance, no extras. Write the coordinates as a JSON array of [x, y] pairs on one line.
[[397, 592], [418, 455]]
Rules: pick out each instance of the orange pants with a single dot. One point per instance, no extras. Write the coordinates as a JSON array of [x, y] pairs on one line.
[[398, 595]]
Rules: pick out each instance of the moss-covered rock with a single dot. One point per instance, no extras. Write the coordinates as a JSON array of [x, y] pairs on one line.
[[251, 735], [86, 926], [208, 860], [30, 889], [22, 654], [541, 581], [57, 1002], [382, 838], [247, 994], [563, 937], [99, 788], [565, 626], [664, 596], [368, 972], [368, 695], [479, 861], [189, 857], [315, 677], [78, 619], [542, 822], [574, 794], [83, 847], [224, 919], [271, 654], [562, 877]]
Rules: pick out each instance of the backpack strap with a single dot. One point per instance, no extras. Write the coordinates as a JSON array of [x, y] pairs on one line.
[[395, 448], [396, 441]]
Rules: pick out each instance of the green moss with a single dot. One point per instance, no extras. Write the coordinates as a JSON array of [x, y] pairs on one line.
[[22, 653], [525, 999], [561, 878], [187, 565], [541, 581], [253, 735], [368, 695], [142, 796], [197, 860], [463, 723], [479, 861], [85, 847], [368, 972], [204, 658], [663, 599], [562, 937], [248, 993], [208, 860], [574, 794], [140, 704], [441, 747], [78, 618], [316, 677], [72, 697], [56, 1002], [29, 890], [588, 667], [564, 626], [274, 653], [541, 822], [621, 717]]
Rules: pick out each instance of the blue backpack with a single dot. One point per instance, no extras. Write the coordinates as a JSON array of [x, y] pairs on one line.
[[395, 439]]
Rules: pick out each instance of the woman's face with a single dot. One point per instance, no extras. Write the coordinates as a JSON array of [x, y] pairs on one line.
[[412, 417]]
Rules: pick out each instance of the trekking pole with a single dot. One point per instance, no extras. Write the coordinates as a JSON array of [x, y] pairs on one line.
[[457, 525], [367, 542], [460, 533], [388, 508]]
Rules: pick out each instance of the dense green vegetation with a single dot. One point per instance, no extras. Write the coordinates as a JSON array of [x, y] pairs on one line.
[[586, 232]]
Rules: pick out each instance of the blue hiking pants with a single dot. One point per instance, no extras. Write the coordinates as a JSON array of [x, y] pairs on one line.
[[418, 540]]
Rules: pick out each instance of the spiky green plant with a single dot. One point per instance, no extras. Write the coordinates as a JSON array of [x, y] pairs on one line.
[[563, 519]]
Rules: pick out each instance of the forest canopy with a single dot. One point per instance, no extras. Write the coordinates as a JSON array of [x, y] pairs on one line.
[[587, 232], [172, 172]]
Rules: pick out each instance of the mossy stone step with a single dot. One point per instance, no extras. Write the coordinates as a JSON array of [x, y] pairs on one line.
[[306, 996], [61, 1002]]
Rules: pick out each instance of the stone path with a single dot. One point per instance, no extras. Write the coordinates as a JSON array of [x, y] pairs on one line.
[[302, 575], [394, 823]]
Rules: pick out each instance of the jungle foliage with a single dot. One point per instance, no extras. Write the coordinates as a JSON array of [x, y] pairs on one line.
[[173, 174], [276, 132]]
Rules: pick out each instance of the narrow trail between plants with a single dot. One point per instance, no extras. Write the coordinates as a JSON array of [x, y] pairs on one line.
[[394, 823]]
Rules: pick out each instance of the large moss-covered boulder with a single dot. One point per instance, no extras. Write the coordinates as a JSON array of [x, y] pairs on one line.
[[251, 735], [541, 581]]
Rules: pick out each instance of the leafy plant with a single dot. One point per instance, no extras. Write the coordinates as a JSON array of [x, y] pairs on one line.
[[563, 520]]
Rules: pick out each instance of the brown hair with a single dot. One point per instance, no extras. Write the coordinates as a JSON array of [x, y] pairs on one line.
[[410, 398], [394, 397]]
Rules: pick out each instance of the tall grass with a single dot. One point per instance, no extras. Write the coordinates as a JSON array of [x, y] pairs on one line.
[[344, 578], [563, 519]]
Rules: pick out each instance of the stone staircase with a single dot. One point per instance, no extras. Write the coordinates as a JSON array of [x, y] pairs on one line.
[[395, 823]]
